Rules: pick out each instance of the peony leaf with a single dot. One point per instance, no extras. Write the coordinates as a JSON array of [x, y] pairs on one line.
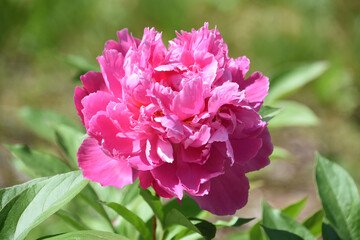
[[40, 164], [234, 222], [294, 114], [314, 222], [42, 122], [329, 233], [280, 153], [154, 203], [275, 234], [35, 204], [255, 232], [294, 210], [276, 219], [340, 198], [294, 79], [69, 139], [132, 218], [267, 112], [87, 235], [188, 206], [72, 220], [175, 217]]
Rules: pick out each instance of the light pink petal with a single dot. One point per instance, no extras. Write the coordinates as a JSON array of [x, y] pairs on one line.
[[111, 65], [262, 157], [228, 193], [165, 150], [103, 129], [173, 127], [256, 89], [111, 44], [220, 135], [99, 167], [222, 95], [126, 41], [199, 138], [238, 68], [94, 103], [189, 101]]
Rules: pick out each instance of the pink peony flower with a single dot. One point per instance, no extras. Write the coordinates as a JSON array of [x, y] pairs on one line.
[[182, 119]]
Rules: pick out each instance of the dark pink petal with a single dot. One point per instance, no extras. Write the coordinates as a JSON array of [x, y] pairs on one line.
[[192, 175], [165, 176], [99, 167], [78, 96], [228, 192], [262, 157], [93, 82], [245, 149], [256, 88]]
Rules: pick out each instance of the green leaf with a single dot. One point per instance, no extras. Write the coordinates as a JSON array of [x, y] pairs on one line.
[[294, 210], [280, 153], [39, 201], [154, 203], [41, 164], [69, 139], [314, 222], [81, 63], [234, 222], [42, 122], [275, 234], [255, 232], [71, 220], [276, 219], [188, 207], [267, 112], [294, 114], [295, 79], [207, 229], [88, 235], [329, 233], [8, 194], [175, 217], [340, 198], [132, 218]]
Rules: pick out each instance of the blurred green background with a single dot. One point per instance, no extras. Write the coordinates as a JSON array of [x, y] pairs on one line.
[[36, 36]]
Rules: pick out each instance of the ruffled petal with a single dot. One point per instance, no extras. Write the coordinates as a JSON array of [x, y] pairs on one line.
[[228, 193], [99, 167], [261, 159], [256, 89]]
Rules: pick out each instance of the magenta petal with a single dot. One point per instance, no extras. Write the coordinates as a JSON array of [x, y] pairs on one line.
[[262, 157], [189, 101], [245, 149], [93, 82], [78, 96], [256, 88], [165, 176], [94, 103], [126, 41], [228, 193], [111, 65], [99, 167]]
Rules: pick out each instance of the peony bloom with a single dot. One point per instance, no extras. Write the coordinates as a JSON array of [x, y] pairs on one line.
[[182, 119]]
